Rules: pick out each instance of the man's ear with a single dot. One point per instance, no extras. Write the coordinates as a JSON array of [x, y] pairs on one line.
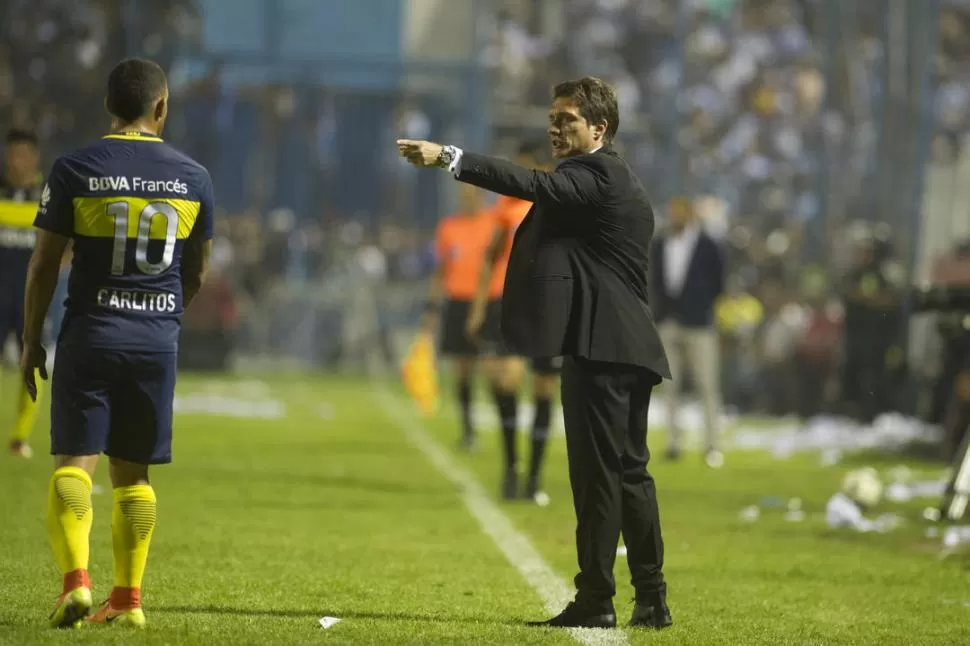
[[160, 109], [599, 130]]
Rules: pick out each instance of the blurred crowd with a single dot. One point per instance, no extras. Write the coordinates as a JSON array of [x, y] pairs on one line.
[[745, 106], [729, 102]]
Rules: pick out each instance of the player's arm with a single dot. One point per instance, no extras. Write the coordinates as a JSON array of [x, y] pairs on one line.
[[198, 246], [195, 265], [493, 253], [55, 227], [436, 286]]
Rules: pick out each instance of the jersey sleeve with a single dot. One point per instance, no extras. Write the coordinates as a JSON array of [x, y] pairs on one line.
[[204, 224], [55, 211]]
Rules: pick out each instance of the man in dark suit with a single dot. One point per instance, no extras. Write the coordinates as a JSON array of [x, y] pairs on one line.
[[576, 286], [687, 275]]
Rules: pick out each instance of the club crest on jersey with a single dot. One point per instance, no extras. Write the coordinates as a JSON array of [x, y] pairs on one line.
[[45, 196]]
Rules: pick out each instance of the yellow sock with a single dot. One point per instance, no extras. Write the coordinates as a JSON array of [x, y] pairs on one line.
[[26, 413], [132, 525], [69, 517]]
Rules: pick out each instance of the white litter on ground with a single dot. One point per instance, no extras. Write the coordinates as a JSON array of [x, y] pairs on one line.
[[956, 536], [841, 512], [228, 406], [830, 435], [229, 398], [904, 492], [329, 622], [781, 436]]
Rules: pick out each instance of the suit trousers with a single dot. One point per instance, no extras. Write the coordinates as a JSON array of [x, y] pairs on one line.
[[605, 413], [696, 350]]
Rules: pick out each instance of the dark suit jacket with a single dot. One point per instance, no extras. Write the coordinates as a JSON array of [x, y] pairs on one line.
[[577, 277], [694, 306]]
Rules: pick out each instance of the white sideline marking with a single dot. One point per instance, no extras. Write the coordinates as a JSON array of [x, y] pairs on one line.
[[551, 588]]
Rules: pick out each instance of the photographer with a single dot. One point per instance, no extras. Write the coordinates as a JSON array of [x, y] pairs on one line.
[[873, 313]]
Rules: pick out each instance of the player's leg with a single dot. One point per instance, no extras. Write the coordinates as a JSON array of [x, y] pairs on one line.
[[26, 407], [505, 375], [545, 382], [464, 374], [455, 345], [141, 435], [132, 525], [79, 425]]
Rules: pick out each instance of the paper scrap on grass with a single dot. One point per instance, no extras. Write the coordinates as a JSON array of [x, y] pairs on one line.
[[329, 622]]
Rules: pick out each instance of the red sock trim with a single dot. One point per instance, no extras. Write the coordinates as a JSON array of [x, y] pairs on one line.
[[125, 598], [76, 579]]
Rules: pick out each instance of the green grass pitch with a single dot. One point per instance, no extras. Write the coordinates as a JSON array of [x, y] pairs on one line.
[[267, 525]]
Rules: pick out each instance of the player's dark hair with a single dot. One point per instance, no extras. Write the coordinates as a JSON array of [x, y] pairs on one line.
[[596, 101], [134, 87], [21, 136]]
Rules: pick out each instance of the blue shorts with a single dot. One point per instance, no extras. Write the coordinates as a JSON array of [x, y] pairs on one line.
[[114, 402]]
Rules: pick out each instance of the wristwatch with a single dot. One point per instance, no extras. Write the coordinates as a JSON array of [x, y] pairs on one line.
[[447, 156]]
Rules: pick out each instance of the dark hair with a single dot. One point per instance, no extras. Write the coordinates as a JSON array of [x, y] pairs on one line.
[[596, 101], [134, 86], [21, 136]]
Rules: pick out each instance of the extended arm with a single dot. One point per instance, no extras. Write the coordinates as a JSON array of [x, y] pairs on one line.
[[574, 182], [579, 180]]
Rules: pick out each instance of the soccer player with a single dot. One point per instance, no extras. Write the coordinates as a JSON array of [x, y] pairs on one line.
[[140, 215], [20, 190], [460, 243], [509, 213]]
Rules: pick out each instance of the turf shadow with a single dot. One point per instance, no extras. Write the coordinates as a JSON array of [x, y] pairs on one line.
[[348, 614], [352, 481]]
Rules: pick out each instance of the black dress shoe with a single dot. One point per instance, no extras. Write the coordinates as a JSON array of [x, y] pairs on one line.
[[575, 616], [651, 616]]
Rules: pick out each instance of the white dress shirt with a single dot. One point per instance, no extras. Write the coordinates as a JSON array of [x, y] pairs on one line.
[[678, 252]]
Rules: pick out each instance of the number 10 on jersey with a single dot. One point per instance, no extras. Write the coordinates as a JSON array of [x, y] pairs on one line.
[[120, 211]]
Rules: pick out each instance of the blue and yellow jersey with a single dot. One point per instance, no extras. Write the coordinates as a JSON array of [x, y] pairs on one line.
[[129, 202], [17, 209]]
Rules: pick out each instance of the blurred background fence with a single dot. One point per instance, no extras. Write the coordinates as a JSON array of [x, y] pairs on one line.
[[816, 138]]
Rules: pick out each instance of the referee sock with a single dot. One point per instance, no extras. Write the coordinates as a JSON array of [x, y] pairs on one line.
[[540, 435], [132, 526], [69, 517], [507, 404], [465, 403]]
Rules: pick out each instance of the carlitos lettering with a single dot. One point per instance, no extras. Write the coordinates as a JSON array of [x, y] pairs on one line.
[[130, 301]]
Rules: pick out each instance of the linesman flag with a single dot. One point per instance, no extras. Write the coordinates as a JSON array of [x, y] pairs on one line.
[[420, 374]]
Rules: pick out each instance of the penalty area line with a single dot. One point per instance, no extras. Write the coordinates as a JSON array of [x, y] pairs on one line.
[[550, 587]]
